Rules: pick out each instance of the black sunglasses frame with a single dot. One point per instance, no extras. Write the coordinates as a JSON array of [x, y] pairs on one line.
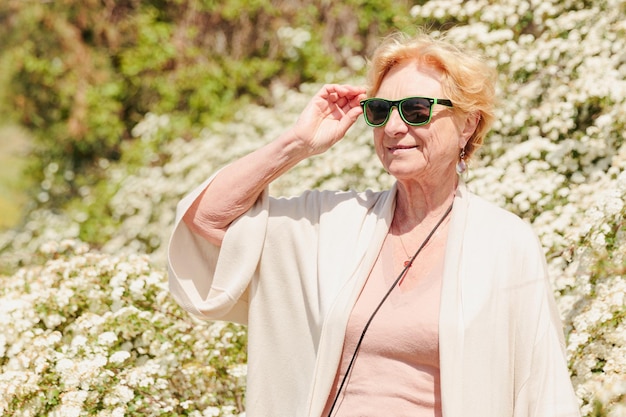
[[398, 104]]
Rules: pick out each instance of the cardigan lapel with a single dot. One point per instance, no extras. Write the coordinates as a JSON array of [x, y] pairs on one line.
[[334, 328], [451, 328]]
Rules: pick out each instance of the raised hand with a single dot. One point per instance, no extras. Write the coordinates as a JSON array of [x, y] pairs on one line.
[[328, 116]]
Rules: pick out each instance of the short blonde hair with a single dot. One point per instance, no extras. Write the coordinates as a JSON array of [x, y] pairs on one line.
[[467, 80]]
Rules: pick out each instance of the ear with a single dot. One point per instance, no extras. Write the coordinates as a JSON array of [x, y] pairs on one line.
[[471, 123]]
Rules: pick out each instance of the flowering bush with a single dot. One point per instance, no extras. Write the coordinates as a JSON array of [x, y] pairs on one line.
[[89, 334], [96, 332]]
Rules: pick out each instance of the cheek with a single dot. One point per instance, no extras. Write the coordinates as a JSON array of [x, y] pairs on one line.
[[378, 142], [437, 146], [444, 135], [443, 148]]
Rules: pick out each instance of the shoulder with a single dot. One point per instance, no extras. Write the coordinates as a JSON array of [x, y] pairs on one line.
[[499, 244], [319, 202], [496, 226], [490, 215], [341, 217]]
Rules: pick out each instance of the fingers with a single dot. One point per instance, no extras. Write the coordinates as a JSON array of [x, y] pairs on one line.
[[328, 116], [342, 94], [343, 100]]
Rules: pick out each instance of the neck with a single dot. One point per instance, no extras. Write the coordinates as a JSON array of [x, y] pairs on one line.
[[422, 203]]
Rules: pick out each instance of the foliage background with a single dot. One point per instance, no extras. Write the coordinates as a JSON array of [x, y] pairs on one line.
[[132, 103]]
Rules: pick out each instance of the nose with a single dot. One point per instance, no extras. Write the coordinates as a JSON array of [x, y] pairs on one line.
[[395, 124]]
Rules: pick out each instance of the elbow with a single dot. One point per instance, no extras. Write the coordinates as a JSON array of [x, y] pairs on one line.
[[204, 228]]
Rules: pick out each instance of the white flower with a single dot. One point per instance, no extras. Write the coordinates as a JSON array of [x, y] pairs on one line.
[[117, 293], [79, 341], [211, 412], [238, 370], [64, 365], [137, 286], [124, 393], [67, 411], [49, 247], [118, 412], [119, 357], [107, 338]]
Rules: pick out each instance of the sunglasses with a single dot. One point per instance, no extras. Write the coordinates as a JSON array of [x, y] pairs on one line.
[[415, 111]]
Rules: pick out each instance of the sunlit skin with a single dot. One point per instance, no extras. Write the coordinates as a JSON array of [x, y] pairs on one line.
[[421, 158]]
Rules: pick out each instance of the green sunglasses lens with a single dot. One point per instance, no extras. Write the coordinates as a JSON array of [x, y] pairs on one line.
[[415, 111], [377, 111]]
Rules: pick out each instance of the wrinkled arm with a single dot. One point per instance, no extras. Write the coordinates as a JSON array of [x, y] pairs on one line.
[[324, 121]]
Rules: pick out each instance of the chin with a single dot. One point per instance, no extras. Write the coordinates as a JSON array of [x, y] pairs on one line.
[[404, 171]]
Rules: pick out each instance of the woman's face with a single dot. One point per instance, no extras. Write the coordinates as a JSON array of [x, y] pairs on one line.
[[418, 153]]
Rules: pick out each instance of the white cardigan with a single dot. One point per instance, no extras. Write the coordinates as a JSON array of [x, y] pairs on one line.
[[291, 269]]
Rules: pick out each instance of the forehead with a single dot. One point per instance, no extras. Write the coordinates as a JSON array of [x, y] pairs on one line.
[[411, 79]]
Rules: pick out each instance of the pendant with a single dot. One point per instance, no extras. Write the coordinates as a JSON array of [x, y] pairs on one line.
[[406, 263]]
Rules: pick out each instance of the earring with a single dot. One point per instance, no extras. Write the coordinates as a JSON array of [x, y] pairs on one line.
[[461, 166]]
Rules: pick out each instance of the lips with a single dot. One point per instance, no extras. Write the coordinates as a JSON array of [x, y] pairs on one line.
[[401, 148]]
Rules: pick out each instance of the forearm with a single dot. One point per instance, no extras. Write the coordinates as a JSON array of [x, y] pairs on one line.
[[235, 188], [324, 121]]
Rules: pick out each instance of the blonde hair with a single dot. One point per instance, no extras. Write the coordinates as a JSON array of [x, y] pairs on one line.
[[467, 80]]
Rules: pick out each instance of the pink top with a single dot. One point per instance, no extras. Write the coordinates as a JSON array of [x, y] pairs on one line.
[[396, 372]]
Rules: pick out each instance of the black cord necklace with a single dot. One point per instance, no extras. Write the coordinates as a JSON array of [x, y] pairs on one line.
[[407, 265]]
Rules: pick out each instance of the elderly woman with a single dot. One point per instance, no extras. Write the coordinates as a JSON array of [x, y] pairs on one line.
[[422, 300]]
